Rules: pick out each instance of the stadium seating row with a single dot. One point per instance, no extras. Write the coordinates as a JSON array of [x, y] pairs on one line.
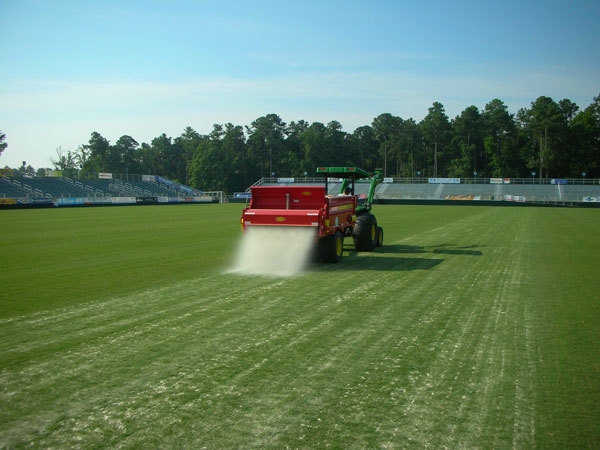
[[49, 187], [53, 187], [531, 193]]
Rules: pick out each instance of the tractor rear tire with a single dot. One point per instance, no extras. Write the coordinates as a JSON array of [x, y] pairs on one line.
[[365, 233], [379, 236], [332, 247]]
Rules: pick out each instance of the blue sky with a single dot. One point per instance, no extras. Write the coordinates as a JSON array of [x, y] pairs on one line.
[[144, 68]]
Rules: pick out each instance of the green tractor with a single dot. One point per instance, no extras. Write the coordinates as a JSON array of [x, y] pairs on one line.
[[365, 231]]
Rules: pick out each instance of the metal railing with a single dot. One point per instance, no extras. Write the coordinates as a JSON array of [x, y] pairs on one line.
[[425, 180]]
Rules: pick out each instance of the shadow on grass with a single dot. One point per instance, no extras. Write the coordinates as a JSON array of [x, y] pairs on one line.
[[443, 249], [395, 257], [366, 261], [450, 249]]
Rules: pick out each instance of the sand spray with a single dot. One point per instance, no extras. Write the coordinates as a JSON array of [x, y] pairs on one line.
[[275, 251]]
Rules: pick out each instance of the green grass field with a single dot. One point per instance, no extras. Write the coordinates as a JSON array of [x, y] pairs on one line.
[[472, 328]]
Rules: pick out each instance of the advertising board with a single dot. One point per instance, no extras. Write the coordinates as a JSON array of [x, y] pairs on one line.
[[444, 180]]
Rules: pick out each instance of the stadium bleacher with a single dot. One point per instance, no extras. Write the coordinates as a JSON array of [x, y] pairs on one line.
[[478, 191], [580, 193], [61, 187], [533, 192], [137, 186]]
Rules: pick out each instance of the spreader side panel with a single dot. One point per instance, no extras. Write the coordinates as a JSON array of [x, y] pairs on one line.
[[280, 218]]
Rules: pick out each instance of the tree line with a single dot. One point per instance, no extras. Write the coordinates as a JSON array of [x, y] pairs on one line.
[[547, 140]]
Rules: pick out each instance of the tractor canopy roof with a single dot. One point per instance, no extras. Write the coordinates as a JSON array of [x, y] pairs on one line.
[[342, 172]]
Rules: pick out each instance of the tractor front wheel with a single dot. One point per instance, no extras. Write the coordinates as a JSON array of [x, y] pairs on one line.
[[379, 236]]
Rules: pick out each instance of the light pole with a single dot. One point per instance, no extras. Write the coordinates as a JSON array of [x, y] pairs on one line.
[[532, 177], [475, 175], [583, 174]]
